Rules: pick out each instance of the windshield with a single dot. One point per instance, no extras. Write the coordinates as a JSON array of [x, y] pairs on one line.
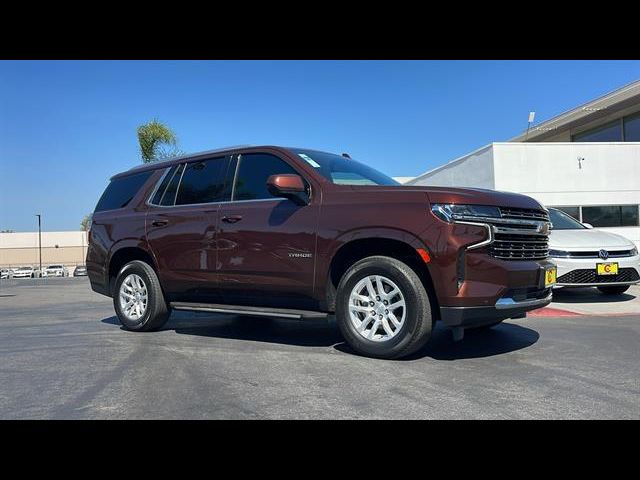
[[343, 171], [562, 221]]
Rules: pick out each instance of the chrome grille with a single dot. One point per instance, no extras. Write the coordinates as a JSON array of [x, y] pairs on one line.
[[519, 247], [524, 213], [516, 235]]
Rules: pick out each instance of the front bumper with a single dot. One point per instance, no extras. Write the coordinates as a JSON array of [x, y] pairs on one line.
[[580, 272], [505, 307]]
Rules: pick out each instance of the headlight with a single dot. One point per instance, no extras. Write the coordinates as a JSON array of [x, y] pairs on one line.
[[451, 212], [634, 251], [559, 254]]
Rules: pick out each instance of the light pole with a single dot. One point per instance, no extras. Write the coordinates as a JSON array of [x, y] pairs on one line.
[[532, 116], [40, 239]]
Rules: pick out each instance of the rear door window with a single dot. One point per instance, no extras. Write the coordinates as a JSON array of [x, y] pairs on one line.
[[163, 185], [168, 197], [202, 182], [121, 191]]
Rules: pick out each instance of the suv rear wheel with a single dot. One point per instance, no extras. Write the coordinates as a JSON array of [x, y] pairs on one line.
[[383, 309], [138, 298]]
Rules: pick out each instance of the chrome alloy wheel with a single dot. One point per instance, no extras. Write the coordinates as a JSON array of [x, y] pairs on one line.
[[133, 297], [377, 308]]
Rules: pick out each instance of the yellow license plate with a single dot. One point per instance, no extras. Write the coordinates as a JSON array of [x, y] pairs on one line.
[[607, 268], [550, 276]]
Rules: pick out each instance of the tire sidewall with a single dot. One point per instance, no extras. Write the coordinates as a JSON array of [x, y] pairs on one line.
[[141, 272], [415, 309]]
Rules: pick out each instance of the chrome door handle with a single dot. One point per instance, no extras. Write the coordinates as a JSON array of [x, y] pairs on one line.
[[160, 223]]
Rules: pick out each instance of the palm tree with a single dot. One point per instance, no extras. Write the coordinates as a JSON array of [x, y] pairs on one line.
[[85, 223], [151, 137]]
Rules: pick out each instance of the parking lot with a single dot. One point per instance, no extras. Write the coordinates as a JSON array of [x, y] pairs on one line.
[[63, 355]]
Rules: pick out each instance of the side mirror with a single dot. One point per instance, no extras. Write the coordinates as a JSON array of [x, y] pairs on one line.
[[588, 225], [289, 186]]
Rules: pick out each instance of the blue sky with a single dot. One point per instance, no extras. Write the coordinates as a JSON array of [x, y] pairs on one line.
[[66, 127]]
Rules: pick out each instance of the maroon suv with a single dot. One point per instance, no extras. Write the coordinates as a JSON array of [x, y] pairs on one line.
[[300, 233]]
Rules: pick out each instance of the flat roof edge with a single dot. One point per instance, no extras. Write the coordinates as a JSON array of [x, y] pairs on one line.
[[450, 163]]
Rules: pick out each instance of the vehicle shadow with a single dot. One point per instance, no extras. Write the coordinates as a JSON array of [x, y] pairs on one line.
[[308, 333], [111, 320], [501, 339], [588, 295]]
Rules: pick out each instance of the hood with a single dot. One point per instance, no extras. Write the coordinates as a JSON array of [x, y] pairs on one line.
[[474, 196], [587, 239]]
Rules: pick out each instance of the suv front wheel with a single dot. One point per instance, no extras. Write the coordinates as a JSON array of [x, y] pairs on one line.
[[383, 309], [138, 298]]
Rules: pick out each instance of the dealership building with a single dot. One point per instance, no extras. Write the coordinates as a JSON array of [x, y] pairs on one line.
[[585, 161], [57, 248]]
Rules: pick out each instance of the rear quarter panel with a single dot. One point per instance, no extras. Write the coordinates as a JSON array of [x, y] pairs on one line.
[[113, 230]]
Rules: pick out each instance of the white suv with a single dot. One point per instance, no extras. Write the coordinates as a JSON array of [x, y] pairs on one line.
[[587, 257]]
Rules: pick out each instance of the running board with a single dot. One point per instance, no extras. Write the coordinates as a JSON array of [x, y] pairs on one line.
[[242, 310]]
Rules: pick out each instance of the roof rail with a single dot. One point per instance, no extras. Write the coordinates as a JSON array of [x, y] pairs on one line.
[[189, 155]]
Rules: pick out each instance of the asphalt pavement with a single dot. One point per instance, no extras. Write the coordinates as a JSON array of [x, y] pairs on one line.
[[64, 355]]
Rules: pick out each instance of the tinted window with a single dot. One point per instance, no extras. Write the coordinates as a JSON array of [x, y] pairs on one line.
[[202, 182], [121, 191], [163, 185], [611, 215], [632, 129], [253, 171], [562, 221], [344, 171], [611, 132], [573, 211], [168, 197]]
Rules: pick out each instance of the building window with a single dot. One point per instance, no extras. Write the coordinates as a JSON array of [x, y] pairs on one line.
[[610, 132], [632, 128], [626, 129], [611, 215]]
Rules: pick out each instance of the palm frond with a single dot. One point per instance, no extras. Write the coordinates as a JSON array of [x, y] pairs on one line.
[[151, 136]]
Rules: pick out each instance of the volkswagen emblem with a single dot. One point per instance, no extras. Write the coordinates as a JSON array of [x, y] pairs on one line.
[[603, 254]]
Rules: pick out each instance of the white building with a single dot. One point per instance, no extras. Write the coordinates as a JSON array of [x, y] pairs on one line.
[[24, 248], [585, 161]]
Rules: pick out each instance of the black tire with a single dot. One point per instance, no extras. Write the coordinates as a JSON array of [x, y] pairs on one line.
[[414, 333], [617, 290], [157, 311]]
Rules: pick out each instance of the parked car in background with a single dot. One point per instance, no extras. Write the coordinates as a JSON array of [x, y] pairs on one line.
[[55, 271], [80, 271], [287, 232], [587, 257], [6, 273], [24, 272]]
